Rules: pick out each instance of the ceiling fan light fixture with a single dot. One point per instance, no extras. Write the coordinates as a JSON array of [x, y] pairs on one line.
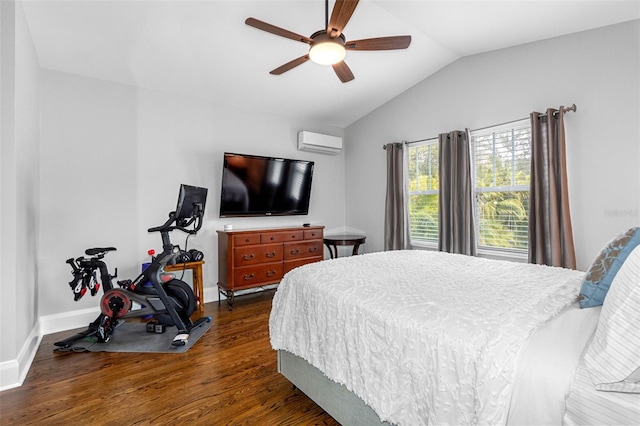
[[327, 52]]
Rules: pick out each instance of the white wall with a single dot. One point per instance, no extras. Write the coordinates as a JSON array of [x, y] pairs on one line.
[[112, 160], [20, 192], [598, 70]]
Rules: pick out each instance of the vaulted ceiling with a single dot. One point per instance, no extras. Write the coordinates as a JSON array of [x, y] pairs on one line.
[[204, 49]]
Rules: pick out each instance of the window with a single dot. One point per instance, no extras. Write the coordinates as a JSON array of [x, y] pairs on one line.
[[502, 160], [423, 191], [501, 156]]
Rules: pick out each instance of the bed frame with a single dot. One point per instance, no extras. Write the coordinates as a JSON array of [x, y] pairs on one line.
[[340, 403]]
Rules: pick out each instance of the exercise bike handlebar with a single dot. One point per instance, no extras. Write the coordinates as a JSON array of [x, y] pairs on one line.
[[181, 224], [73, 264]]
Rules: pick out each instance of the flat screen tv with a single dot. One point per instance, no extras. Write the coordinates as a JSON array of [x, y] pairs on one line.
[[253, 185]]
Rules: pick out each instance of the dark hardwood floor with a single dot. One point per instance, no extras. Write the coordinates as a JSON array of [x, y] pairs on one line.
[[229, 377]]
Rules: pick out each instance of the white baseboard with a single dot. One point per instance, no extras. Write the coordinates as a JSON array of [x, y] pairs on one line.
[[9, 374], [13, 372], [68, 320]]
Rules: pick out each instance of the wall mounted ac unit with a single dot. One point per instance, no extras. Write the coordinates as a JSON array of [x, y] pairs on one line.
[[316, 142]]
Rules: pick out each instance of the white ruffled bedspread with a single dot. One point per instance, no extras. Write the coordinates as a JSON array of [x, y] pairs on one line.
[[421, 337]]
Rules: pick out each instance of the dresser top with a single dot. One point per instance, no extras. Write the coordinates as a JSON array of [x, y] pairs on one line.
[[255, 230]]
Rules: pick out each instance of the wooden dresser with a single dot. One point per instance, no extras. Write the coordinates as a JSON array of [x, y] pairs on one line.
[[258, 257]]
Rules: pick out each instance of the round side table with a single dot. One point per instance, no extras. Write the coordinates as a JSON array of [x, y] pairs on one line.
[[332, 241]]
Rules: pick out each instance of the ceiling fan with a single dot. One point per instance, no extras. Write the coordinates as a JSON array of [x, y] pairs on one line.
[[329, 46]]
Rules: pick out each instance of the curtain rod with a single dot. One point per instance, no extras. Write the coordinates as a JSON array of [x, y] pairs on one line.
[[572, 108]]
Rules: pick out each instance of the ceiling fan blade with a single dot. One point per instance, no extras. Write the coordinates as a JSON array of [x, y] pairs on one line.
[[256, 23], [343, 71], [380, 43], [342, 11], [291, 64]]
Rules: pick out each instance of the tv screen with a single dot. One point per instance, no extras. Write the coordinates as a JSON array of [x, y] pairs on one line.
[[253, 185]]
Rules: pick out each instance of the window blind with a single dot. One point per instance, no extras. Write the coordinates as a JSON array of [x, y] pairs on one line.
[[502, 161]]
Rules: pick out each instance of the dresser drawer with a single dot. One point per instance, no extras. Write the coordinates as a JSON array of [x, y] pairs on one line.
[[247, 239], [251, 255], [313, 234], [279, 237], [303, 249], [251, 276]]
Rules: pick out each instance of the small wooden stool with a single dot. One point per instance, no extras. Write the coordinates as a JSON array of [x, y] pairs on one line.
[[198, 286]]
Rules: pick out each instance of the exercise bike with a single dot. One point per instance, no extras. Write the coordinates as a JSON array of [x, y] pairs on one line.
[[162, 299]]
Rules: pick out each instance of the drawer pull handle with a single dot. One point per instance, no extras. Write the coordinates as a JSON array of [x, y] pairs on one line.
[[248, 256], [271, 273], [248, 277], [313, 249], [271, 254], [295, 251]]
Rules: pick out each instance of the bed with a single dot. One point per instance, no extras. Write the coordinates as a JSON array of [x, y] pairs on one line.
[[419, 337]]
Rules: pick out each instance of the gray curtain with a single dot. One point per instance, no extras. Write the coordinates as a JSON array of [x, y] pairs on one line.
[[456, 218], [396, 229], [550, 231]]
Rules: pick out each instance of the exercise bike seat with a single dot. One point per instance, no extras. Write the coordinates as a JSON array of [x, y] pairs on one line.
[[98, 250]]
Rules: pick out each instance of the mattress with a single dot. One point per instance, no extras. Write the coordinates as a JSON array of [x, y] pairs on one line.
[[421, 337]]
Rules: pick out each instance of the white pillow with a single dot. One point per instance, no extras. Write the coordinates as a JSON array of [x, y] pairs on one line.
[[613, 356]]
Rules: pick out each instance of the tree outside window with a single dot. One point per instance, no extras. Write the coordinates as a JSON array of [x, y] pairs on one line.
[[423, 192]]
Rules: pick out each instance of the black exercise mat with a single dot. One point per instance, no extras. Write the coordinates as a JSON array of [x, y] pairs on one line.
[[133, 337]]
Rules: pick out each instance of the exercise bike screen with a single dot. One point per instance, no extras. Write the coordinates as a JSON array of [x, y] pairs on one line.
[[191, 201]]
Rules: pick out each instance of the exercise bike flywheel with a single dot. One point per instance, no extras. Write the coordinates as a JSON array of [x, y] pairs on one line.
[[183, 301], [115, 300]]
